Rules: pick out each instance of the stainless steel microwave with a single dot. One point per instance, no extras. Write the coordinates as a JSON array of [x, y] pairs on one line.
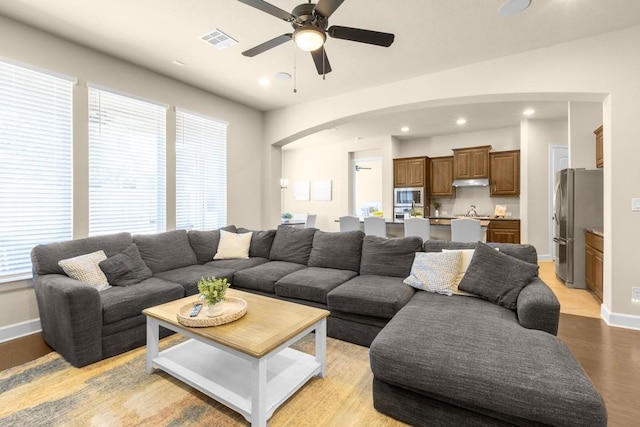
[[408, 196]]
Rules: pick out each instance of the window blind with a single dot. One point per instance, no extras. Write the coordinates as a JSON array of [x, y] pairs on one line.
[[201, 172], [35, 165], [126, 164]]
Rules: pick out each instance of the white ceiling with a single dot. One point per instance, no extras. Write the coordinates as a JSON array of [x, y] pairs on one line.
[[431, 35]]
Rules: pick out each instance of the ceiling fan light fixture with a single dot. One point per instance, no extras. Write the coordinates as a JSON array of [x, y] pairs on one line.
[[309, 38]]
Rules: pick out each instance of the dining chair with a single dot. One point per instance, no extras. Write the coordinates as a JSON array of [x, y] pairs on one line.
[[310, 222], [375, 226], [466, 230], [349, 223], [417, 227]]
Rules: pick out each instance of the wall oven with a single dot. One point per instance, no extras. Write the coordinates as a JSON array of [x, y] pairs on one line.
[[407, 197]]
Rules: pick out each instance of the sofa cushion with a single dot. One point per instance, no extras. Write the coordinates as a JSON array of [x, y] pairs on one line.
[[264, 277], [188, 276], [165, 251], [312, 284], [524, 252], [237, 264], [377, 296], [86, 269], [497, 277], [292, 244], [233, 245], [261, 241], [205, 242], [45, 257], [434, 271], [341, 250], [486, 361], [122, 302], [126, 268], [389, 257]]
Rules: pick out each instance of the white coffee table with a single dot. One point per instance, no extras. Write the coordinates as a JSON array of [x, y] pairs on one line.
[[247, 364]]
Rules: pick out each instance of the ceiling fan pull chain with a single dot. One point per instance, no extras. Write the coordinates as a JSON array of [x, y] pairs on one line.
[[324, 62], [295, 70]]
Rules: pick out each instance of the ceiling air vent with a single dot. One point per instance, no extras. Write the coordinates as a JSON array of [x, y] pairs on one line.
[[218, 39]]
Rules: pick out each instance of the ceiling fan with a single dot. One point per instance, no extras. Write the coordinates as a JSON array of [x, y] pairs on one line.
[[310, 24]]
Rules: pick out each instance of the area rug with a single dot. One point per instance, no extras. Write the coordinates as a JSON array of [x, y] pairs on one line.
[[117, 392]]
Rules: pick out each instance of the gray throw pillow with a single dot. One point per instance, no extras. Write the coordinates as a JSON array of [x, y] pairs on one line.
[[389, 257], [261, 242], [497, 277], [166, 251], [292, 244], [341, 250], [205, 242], [126, 268]]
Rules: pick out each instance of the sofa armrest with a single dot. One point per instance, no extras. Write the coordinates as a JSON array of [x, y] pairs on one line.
[[71, 317], [538, 307]]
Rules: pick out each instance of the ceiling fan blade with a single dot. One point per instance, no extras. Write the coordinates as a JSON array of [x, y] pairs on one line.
[[359, 35], [270, 9], [321, 60], [270, 44], [327, 7]]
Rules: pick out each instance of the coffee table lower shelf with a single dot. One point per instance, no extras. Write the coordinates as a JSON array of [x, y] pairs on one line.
[[229, 379]]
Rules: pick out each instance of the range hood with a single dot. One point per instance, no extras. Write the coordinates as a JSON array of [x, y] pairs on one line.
[[481, 182]]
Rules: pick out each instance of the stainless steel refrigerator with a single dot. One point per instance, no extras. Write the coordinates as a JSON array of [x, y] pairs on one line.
[[577, 205]]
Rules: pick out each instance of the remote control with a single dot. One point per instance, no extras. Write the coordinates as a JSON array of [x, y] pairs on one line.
[[196, 310]]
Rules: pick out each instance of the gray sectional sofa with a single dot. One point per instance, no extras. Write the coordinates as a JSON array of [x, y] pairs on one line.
[[436, 360]]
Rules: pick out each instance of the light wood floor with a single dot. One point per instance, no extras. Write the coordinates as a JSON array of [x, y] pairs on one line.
[[579, 302]]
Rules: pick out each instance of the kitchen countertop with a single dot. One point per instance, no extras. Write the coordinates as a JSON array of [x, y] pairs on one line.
[[595, 230]]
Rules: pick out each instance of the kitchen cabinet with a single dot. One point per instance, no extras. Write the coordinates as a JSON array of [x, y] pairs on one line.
[[599, 147], [505, 173], [441, 177], [471, 163], [410, 172], [594, 262], [504, 231]]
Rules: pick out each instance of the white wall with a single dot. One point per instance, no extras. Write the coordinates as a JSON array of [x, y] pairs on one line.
[[248, 159], [596, 69], [537, 136], [584, 118]]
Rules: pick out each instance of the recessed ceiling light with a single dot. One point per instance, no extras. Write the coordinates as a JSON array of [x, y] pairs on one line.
[[178, 63], [513, 7], [529, 112], [264, 82], [283, 76], [404, 129], [461, 121]]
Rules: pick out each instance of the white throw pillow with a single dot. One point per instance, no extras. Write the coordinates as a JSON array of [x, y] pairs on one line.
[[434, 271], [465, 259], [233, 245], [85, 268]]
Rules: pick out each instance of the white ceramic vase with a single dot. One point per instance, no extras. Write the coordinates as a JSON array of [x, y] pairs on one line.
[[215, 310]]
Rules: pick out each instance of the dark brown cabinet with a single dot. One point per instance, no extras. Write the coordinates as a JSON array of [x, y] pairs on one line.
[[410, 172], [599, 147], [594, 262], [471, 163], [441, 177], [505, 173], [504, 231]]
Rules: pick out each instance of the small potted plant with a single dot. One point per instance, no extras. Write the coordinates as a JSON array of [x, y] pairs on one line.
[[212, 292], [286, 217], [436, 205]]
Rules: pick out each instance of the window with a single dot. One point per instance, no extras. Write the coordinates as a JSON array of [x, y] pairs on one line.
[[201, 172], [126, 164], [35, 165]]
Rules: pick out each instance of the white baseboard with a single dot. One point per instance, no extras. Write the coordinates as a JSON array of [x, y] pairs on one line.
[[19, 330], [545, 257], [627, 321]]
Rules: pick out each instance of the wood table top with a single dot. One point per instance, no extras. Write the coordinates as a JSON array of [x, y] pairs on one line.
[[269, 322]]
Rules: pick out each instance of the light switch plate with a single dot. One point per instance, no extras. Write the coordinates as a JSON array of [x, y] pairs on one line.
[[635, 204]]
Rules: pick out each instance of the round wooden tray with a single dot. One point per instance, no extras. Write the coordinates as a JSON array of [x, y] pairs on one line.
[[234, 308]]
